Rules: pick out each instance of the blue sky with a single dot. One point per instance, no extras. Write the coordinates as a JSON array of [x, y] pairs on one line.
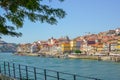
[[83, 16]]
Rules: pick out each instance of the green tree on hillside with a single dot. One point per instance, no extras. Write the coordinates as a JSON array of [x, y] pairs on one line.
[[15, 11]]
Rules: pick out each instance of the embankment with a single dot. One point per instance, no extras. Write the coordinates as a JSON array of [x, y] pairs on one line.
[[103, 58]]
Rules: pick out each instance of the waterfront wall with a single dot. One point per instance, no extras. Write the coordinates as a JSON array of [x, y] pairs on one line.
[[77, 56], [83, 57], [103, 58]]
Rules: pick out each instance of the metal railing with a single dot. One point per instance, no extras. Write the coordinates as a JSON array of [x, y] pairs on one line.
[[23, 72]]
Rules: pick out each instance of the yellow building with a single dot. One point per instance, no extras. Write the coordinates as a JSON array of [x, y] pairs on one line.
[[99, 47], [118, 45], [72, 45], [65, 47]]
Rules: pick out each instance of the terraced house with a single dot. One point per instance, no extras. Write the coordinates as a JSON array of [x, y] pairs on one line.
[[103, 43]]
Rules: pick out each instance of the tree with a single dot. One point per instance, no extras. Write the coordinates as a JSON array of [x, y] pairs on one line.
[[78, 51], [15, 11]]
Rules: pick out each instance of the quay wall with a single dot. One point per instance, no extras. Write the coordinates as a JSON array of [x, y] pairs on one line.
[[83, 57], [92, 57], [103, 58]]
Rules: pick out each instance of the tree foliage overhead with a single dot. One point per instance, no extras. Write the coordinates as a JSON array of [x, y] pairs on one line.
[[15, 11]]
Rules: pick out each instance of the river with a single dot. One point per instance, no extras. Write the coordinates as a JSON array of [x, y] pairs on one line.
[[105, 70]]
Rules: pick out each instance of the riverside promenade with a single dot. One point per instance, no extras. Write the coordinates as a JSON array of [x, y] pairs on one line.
[[97, 57], [115, 58]]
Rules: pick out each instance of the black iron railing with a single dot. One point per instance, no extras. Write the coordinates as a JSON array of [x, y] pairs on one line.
[[23, 72]]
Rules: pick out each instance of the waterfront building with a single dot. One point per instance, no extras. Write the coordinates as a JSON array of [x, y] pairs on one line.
[[113, 45], [118, 45], [65, 47], [92, 46], [34, 48], [99, 47], [73, 45], [78, 44], [105, 47], [51, 41], [24, 48], [84, 46], [43, 44], [118, 31], [88, 45], [44, 47], [107, 41], [19, 49]]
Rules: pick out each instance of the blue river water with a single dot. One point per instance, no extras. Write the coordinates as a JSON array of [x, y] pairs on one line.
[[105, 70]]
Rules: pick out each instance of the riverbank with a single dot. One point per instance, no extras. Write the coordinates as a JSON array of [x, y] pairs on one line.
[[42, 54], [27, 54], [75, 56], [91, 57]]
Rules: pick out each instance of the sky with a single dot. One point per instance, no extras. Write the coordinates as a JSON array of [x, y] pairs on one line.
[[83, 16]]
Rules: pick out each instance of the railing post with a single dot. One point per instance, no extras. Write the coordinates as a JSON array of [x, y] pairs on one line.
[[14, 70], [97, 79], [20, 72], [35, 73], [74, 77], [9, 69], [0, 69], [26, 72], [4, 68], [45, 74], [57, 75]]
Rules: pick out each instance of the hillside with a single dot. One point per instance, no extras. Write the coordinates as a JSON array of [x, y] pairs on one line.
[[7, 47]]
